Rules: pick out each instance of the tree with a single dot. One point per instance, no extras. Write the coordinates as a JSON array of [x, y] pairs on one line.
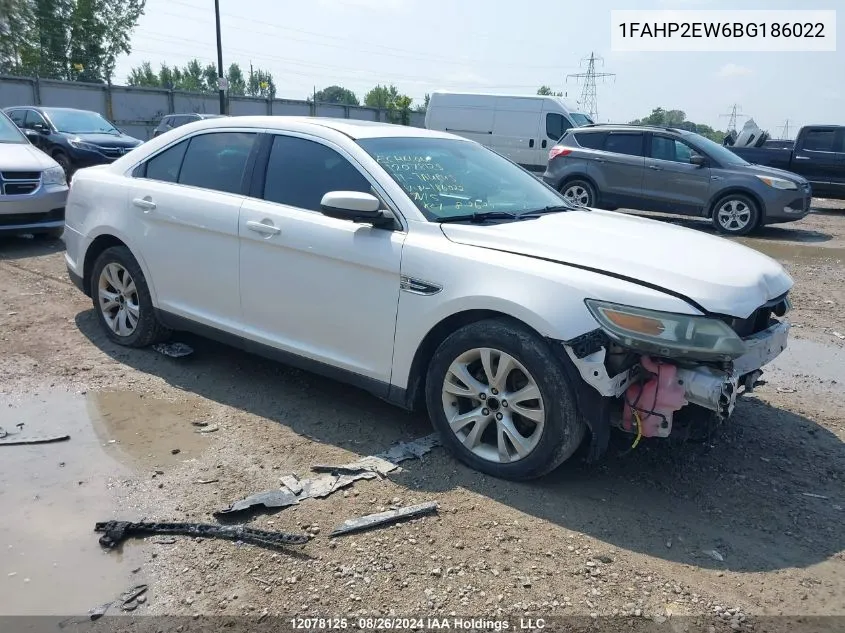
[[237, 82], [144, 75], [678, 119], [260, 84], [194, 77], [336, 94], [423, 107], [66, 39], [387, 98], [548, 92]]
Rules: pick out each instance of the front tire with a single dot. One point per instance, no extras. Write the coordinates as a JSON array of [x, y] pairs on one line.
[[502, 402], [122, 300], [64, 162], [735, 214], [579, 192]]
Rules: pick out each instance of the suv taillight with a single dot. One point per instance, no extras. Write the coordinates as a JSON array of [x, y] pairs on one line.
[[559, 150]]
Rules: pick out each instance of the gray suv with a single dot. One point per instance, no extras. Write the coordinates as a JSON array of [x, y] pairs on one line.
[[170, 121], [673, 171]]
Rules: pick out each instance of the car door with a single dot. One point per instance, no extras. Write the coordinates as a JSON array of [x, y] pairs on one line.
[[837, 180], [618, 168], [816, 156], [321, 288], [33, 125], [670, 182], [185, 202], [516, 132], [555, 126]]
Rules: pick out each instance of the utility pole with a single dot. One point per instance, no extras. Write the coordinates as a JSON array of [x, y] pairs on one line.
[[784, 134], [736, 110], [221, 78], [589, 99]]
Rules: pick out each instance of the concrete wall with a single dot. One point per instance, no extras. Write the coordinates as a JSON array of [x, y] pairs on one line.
[[137, 111]]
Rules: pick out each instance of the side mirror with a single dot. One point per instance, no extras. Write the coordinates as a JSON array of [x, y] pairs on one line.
[[354, 206], [698, 160]]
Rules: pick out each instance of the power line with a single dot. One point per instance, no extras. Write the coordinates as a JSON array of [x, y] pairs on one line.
[[589, 100], [784, 134]]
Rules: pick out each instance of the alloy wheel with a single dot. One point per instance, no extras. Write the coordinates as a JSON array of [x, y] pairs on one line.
[[493, 405], [734, 215], [577, 195], [118, 299]]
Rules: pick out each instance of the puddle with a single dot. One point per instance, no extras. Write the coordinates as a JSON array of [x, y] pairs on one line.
[[819, 365], [798, 253], [52, 494]]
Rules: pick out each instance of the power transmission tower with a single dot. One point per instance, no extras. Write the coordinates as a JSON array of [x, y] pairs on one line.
[[784, 133], [588, 94], [736, 110]]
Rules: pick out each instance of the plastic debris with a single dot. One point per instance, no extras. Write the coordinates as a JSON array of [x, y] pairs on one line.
[[291, 482], [712, 553], [115, 532], [174, 350], [268, 499], [384, 518], [5, 440]]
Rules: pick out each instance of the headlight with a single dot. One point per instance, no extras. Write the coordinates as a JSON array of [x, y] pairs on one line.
[[53, 176], [777, 183], [78, 143], [666, 333]]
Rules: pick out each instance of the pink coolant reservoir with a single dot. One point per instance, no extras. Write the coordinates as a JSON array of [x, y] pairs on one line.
[[660, 395]]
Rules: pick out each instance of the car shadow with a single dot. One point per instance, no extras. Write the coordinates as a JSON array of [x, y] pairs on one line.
[[14, 247], [760, 496], [791, 232]]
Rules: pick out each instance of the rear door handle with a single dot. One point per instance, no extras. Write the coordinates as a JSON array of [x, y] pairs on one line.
[[655, 168], [146, 204], [260, 227], [802, 158]]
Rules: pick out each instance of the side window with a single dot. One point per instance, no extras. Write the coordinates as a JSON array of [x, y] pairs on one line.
[[18, 117], [301, 172], [165, 166], [820, 141], [625, 143], [591, 140], [556, 125], [217, 161], [33, 119], [665, 148]]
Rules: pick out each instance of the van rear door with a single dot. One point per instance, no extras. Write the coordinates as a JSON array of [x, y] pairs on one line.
[[470, 116], [554, 125]]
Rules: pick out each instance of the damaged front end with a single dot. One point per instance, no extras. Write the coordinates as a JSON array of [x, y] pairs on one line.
[[641, 368]]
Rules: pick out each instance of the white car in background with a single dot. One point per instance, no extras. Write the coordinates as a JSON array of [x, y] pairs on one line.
[[430, 271], [32, 186]]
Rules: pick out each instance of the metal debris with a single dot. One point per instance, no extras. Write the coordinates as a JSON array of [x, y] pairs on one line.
[[128, 602], [268, 499], [115, 532], [332, 478], [384, 518], [813, 495], [174, 350], [207, 481], [5, 440]]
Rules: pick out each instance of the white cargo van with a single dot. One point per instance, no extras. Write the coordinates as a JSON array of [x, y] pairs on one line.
[[521, 127]]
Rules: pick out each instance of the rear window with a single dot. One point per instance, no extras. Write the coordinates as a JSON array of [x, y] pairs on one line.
[[630, 144], [591, 140], [820, 140]]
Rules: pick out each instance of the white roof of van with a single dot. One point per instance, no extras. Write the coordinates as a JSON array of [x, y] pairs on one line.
[[571, 105]]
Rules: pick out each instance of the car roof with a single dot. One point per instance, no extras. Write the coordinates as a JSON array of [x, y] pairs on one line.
[[352, 128], [628, 127]]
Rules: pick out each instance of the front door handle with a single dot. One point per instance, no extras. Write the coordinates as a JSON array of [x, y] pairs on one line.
[[655, 168], [531, 142], [146, 204], [260, 227], [544, 143], [802, 158]]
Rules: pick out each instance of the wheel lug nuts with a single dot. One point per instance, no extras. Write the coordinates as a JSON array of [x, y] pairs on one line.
[[485, 412], [498, 416], [483, 396], [504, 403], [495, 391]]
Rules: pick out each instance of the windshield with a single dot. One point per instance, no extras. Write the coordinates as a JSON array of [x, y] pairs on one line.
[[80, 122], [719, 153], [9, 132], [580, 119], [450, 177]]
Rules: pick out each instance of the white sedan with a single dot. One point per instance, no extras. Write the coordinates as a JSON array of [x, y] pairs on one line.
[[429, 271]]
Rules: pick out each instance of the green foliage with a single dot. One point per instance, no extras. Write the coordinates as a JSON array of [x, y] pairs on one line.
[[398, 106], [546, 91], [336, 94], [66, 39], [678, 119], [423, 107], [193, 77]]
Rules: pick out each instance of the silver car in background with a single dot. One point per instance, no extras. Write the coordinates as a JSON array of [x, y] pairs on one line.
[[33, 188]]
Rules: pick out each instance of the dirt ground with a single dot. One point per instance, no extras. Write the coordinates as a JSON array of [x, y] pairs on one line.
[[746, 527]]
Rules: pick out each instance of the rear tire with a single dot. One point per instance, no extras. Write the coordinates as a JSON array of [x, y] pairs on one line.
[[122, 300], [735, 214], [521, 439], [579, 192]]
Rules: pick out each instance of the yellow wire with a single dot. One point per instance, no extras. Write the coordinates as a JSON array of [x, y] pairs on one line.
[[639, 430]]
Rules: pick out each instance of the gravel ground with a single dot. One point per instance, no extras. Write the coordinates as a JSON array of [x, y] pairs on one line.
[[747, 526]]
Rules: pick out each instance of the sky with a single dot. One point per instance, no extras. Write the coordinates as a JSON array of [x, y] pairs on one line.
[[501, 46]]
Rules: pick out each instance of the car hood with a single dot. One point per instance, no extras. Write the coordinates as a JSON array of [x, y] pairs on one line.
[[763, 170], [106, 140], [719, 275], [24, 157]]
